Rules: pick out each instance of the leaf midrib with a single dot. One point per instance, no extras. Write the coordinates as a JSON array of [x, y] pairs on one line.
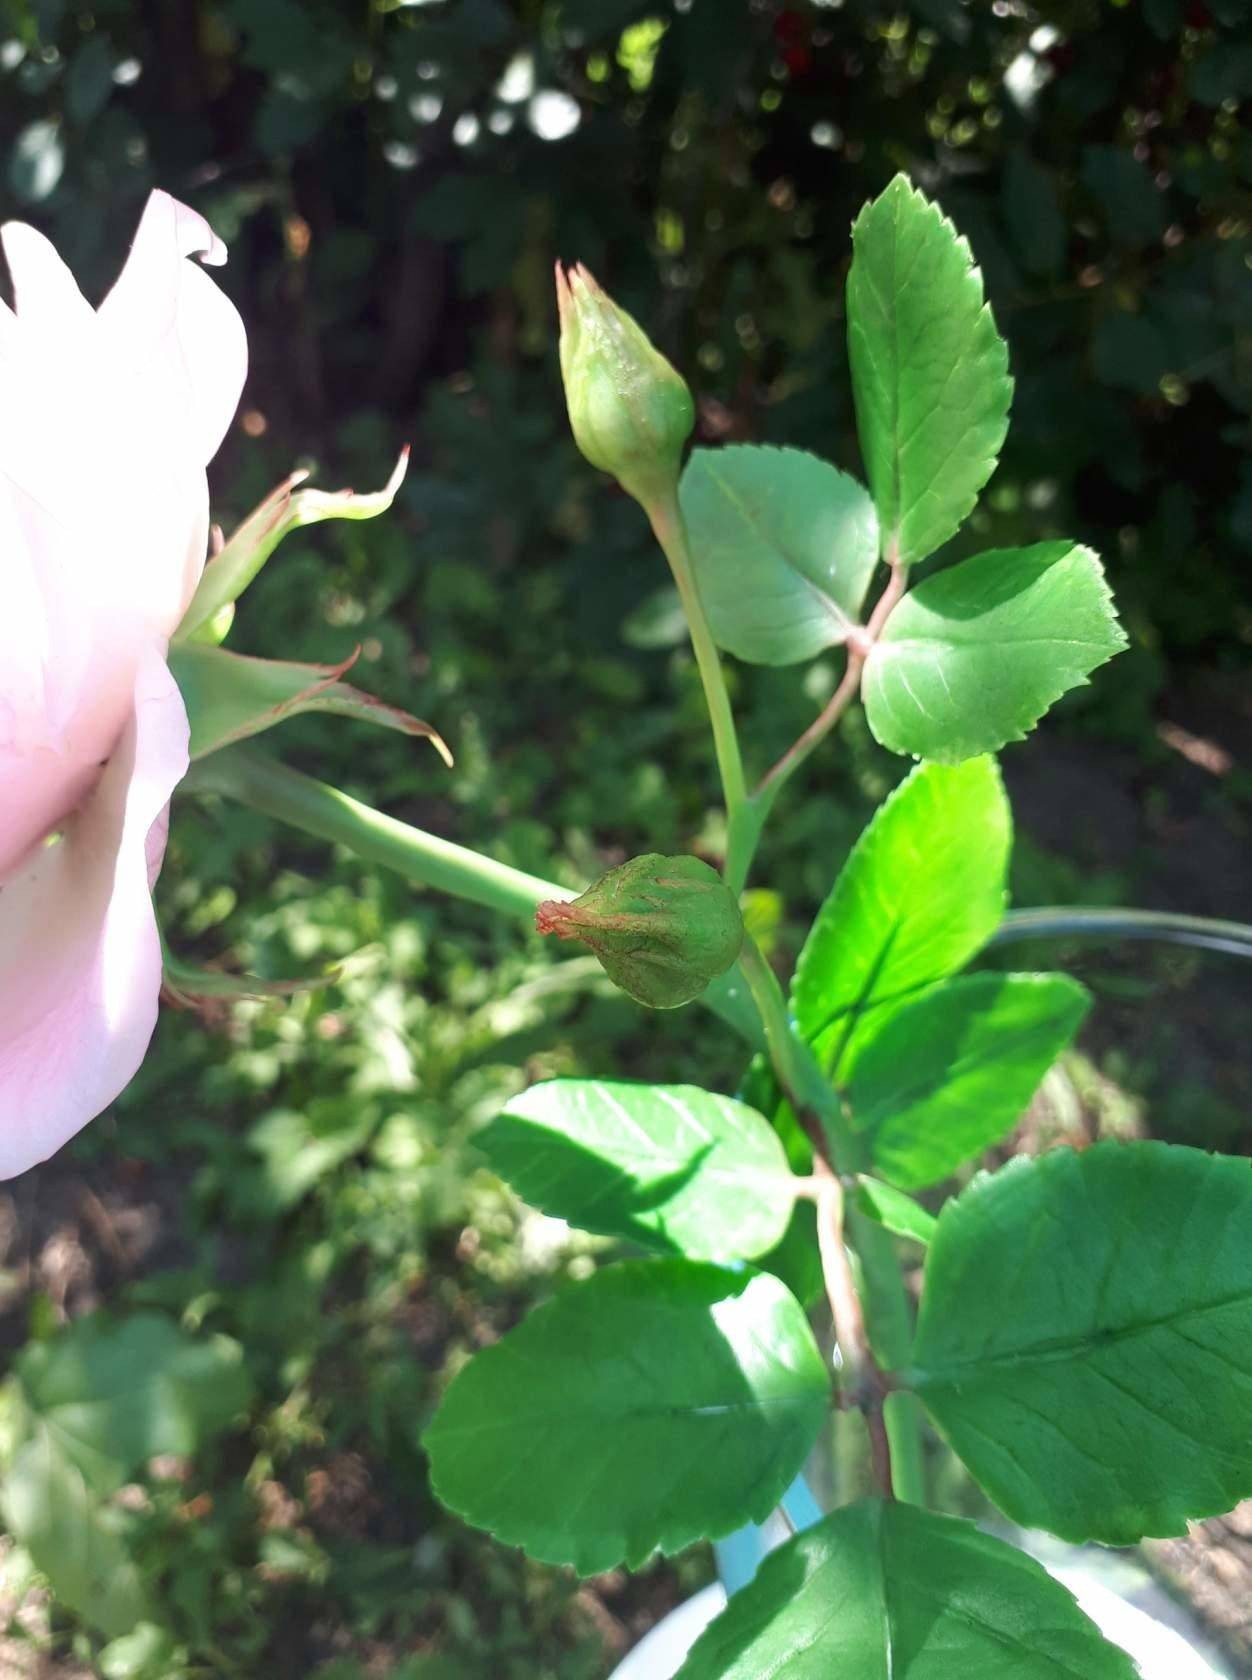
[[1054, 1348]]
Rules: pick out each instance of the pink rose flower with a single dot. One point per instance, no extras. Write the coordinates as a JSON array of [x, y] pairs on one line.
[[108, 418]]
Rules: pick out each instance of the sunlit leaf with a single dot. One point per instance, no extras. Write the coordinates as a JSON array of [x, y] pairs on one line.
[[922, 890], [783, 548], [893, 1210], [948, 1073], [668, 1166], [972, 658], [1084, 1334], [660, 1402], [929, 371], [884, 1591]]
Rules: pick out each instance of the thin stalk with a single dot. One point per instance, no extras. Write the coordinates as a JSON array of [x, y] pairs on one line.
[[862, 1386], [796, 1068], [255, 779], [859, 646], [889, 1318], [671, 532], [1081, 922], [893, 1430]]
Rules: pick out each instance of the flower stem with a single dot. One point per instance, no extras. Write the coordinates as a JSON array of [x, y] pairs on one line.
[[895, 1450], [849, 687], [258, 780], [671, 532], [796, 1067]]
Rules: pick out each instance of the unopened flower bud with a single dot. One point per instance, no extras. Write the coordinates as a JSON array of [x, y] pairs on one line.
[[630, 412], [662, 927]]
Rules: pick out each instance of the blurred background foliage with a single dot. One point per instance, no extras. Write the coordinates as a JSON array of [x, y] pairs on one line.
[[287, 1212]]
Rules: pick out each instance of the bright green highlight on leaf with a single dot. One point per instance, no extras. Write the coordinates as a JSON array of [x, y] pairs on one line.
[[929, 371], [973, 657], [660, 1402], [1084, 1334], [922, 890], [669, 1166], [882, 1591], [894, 1211], [948, 1073], [783, 547], [229, 697]]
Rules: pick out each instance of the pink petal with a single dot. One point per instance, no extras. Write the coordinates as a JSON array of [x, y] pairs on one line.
[[178, 337], [46, 293], [80, 957]]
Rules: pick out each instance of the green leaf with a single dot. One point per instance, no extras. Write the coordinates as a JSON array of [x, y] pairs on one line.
[[74, 1540], [894, 1211], [922, 890], [929, 371], [880, 1591], [229, 697], [669, 1166], [1084, 1333], [110, 1395], [973, 657], [295, 1149], [284, 510], [146, 1653], [783, 546], [947, 1074], [659, 1403]]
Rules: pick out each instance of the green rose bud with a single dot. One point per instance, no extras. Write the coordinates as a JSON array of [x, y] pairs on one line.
[[630, 412], [662, 927]]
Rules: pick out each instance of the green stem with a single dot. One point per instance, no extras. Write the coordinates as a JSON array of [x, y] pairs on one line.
[[888, 1318], [671, 532], [795, 1065], [255, 779], [1083, 922]]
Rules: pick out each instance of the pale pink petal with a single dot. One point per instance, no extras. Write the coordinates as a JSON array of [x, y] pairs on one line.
[[80, 956], [177, 337], [44, 290]]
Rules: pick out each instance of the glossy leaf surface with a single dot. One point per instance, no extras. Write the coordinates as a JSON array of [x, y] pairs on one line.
[[894, 1211], [1102, 1388], [669, 1166], [922, 890], [972, 658], [929, 370], [783, 547], [947, 1074], [660, 1402], [881, 1591]]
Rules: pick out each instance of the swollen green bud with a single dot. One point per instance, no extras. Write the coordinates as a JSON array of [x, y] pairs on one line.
[[662, 927], [630, 412]]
